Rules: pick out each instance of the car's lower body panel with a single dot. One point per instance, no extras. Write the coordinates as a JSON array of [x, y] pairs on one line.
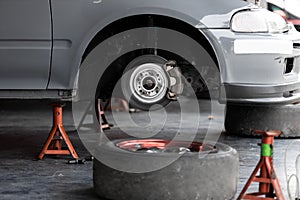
[[260, 94]]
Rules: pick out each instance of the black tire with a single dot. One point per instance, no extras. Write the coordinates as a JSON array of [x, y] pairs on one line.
[[191, 176], [244, 119]]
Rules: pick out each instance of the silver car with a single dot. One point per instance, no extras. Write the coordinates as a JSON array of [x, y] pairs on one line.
[[250, 55]]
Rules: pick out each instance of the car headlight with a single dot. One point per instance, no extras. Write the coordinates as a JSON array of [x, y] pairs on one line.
[[258, 21]]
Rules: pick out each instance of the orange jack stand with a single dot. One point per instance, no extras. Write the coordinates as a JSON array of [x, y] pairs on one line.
[[103, 124], [56, 135], [268, 182], [99, 120], [116, 104]]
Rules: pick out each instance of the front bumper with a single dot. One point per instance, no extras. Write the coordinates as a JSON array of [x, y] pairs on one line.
[[258, 68]]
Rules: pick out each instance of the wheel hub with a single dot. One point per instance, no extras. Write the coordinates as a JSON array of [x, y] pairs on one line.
[[149, 82]]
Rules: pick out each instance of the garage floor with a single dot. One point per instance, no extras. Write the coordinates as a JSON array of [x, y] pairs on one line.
[[24, 127]]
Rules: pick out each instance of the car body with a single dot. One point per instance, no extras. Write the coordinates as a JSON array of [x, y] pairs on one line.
[[43, 43]]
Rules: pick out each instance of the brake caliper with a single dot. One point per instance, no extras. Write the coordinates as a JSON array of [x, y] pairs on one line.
[[176, 85]]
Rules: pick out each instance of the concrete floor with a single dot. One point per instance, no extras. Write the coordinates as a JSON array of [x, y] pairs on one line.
[[24, 126]]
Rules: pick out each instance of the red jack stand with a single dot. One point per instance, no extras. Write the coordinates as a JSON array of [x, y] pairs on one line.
[[116, 104], [103, 124], [268, 182], [56, 135], [99, 120]]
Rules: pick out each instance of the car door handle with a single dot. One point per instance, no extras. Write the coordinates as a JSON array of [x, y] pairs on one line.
[[97, 1]]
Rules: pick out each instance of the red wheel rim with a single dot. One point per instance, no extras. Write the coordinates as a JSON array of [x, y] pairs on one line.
[[162, 145]]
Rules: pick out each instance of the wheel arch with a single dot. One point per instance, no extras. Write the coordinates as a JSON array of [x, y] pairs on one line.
[[150, 20]]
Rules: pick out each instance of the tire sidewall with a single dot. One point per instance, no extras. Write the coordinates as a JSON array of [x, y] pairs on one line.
[[213, 176]]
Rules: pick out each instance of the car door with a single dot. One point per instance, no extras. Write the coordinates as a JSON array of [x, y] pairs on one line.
[[25, 44]]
